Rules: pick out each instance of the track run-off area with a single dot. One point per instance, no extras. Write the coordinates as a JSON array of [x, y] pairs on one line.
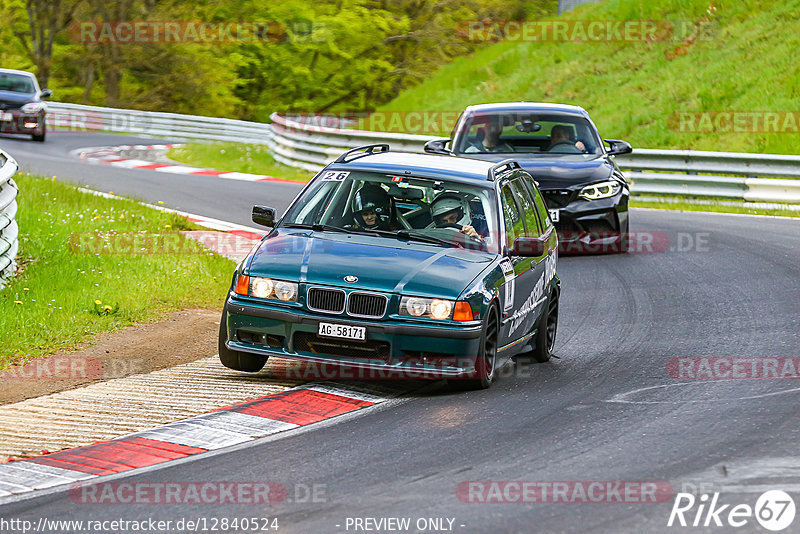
[[651, 391]]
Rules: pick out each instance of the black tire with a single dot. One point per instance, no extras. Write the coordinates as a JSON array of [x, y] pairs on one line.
[[39, 138], [546, 330], [233, 359], [624, 240], [486, 361]]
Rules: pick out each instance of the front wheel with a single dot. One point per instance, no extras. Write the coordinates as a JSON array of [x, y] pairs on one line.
[[234, 359], [487, 356]]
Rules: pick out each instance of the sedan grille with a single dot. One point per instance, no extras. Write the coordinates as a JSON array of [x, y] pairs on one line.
[[367, 305], [557, 198], [326, 300]]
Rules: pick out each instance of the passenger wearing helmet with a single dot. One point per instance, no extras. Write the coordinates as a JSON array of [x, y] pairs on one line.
[[372, 208], [453, 209]]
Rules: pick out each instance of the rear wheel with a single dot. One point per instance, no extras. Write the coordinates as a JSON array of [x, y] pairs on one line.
[[546, 331], [487, 356], [234, 359]]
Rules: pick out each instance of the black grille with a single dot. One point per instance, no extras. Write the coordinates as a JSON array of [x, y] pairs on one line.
[[367, 350], [328, 300], [366, 304], [557, 198]]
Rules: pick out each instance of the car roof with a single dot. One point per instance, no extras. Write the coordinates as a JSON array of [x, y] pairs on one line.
[[520, 107], [423, 165], [23, 72]]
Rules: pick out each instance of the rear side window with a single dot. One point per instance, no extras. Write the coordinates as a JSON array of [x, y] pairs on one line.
[[541, 209], [515, 227], [532, 227]]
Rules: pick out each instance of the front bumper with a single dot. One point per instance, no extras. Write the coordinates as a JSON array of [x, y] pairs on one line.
[[589, 226], [394, 348], [17, 122]]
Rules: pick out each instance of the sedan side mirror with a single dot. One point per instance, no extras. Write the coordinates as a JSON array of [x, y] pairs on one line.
[[617, 147], [263, 215], [528, 246], [46, 93], [438, 146]]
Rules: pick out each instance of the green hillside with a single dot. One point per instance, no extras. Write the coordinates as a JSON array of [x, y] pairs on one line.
[[727, 55]]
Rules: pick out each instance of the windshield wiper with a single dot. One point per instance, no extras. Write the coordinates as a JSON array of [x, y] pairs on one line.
[[425, 238], [320, 227]]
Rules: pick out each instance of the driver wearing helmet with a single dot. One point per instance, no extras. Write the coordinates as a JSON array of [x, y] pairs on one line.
[[372, 208], [452, 209]]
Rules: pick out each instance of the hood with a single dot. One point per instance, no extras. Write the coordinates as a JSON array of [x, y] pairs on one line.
[[559, 172], [17, 98], [380, 263]]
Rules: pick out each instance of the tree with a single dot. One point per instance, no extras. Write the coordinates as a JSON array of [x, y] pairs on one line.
[[46, 18]]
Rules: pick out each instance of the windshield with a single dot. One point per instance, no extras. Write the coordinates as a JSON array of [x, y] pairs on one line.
[[16, 83], [436, 211], [541, 134]]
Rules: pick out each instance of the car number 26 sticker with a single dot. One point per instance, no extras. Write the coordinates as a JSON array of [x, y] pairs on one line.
[[335, 176]]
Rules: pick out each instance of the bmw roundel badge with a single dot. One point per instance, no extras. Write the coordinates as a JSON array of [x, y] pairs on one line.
[[350, 279]]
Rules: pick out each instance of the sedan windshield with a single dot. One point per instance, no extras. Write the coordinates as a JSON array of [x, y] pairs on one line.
[[535, 135], [439, 212], [16, 83]]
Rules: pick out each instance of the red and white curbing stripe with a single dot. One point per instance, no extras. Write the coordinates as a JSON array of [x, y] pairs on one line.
[[110, 155], [240, 423]]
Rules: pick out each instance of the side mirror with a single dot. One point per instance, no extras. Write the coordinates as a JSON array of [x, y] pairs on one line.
[[437, 146], [617, 147], [46, 93], [264, 216], [528, 246]]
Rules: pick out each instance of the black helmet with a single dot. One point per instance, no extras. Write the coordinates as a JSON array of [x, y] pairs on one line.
[[372, 197]]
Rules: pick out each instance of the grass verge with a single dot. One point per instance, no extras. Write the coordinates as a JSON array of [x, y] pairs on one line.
[[236, 157], [686, 204], [725, 55], [52, 303]]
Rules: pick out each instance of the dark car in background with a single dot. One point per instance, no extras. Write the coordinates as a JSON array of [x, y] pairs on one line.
[[445, 269], [585, 191], [22, 110]]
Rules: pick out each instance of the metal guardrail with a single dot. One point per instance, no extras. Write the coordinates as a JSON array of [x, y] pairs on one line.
[[728, 175], [300, 143], [9, 232], [77, 117]]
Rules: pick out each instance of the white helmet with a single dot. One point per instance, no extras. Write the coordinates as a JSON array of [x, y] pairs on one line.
[[448, 202]]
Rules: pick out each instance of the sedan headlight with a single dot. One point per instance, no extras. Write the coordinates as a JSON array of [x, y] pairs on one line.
[[421, 307], [600, 190], [33, 107], [267, 288]]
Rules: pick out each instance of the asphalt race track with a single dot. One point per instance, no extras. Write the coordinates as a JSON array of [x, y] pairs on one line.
[[607, 410]]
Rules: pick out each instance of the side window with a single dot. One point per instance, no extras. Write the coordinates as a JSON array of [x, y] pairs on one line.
[[541, 209], [514, 223], [532, 227]]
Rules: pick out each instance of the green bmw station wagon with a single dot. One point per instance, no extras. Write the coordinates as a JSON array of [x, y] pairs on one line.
[[399, 265]]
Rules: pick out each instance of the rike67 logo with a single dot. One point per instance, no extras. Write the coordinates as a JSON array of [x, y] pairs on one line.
[[774, 510]]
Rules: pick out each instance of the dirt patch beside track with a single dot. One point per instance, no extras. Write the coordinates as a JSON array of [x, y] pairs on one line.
[[182, 337]]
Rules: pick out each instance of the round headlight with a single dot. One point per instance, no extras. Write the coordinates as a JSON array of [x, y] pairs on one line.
[[261, 287], [440, 309], [285, 290], [415, 306]]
